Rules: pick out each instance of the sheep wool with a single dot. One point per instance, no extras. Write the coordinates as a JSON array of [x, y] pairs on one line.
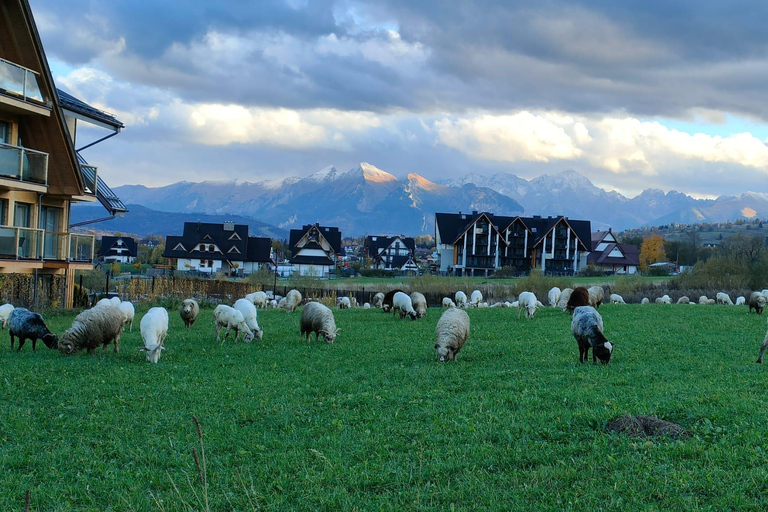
[[154, 329], [553, 296], [452, 332], [128, 312], [419, 303], [229, 318], [377, 300], [448, 303], [684, 300], [258, 299], [401, 303], [476, 298], [527, 301], [344, 303], [250, 315], [579, 297], [461, 299], [596, 295], [5, 312], [762, 348], [757, 302], [723, 298], [188, 311], [28, 325], [93, 327], [292, 301], [617, 299], [587, 328], [565, 295], [319, 319]]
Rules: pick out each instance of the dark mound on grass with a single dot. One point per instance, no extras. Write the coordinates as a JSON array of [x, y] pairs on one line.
[[645, 426]]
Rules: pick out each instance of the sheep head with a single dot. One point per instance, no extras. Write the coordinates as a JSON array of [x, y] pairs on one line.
[[248, 336], [603, 352], [51, 340], [67, 347], [329, 336], [444, 353], [153, 354]]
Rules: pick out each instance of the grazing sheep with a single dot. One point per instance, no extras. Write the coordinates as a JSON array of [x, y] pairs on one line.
[[188, 311], [664, 299], [617, 299], [115, 300], [596, 295], [723, 298], [344, 303], [401, 303], [231, 319], [93, 327], [587, 328], [28, 325], [740, 300], [377, 300], [128, 312], [258, 299], [579, 297], [683, 300], [645, 301], [386, 303], [475, 299], [319, 319], [274, 304], [5, 311], [553, 296], [104, 302], [514, 304], [757, 302], [452, 332], [527, 301], [292, 301], [703, 299], [154, 329], [250, 315], [419, 303], [366, 305], [448, 303], [461, 299], [565, 296], [762, 348]]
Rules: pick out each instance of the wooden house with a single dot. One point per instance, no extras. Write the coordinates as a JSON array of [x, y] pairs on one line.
[[314, 249], [391, 252]]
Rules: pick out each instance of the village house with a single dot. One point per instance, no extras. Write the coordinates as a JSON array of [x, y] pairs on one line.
[[611, 256], [391, 252], [122, 249], [314, 249]]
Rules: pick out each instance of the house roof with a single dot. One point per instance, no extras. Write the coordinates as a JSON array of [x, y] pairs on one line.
[[104, 194], [630, 252], [331, 234], [231, 241], [110, 242], [81, 108], [375, 244]]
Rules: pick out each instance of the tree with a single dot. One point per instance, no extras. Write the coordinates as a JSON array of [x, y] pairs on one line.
[[652, 251], [157, 254]]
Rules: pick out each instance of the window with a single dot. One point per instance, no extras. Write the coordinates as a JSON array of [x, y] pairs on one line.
[[3, 212], [5, 132], [22, 215], [211, 248]]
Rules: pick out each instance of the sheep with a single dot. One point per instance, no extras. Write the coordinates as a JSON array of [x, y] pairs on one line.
[[386, 302], [617, 299], [723, 298], [762, 349], [128, 312], [28, 325], [274, 304], [740, 300], [683, 300], [344, 303], [579, 297], [366, 305], [154, 329], [757, 302], [475, 299], [461, 299], [514, 304], [5, 311], [250, 315], [353, 302], [553, 296], [664, 299], [645, 300], [587, 328], [402, 303], [188, 311], [703, 299], [258, 299], [377, 300], [319, 319], [292, 301], [93, 327], [452, 332], [448, 303], [565, 295], [596, 295], [419, 303], [230, 318], [527, 301], [115, 300], [104, 302]]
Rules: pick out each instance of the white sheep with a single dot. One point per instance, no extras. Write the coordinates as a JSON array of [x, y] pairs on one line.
[[154, 329], [684, 300], [377, 300], [461, 299], [757, 302], [645, 301], [664, 299], [128, 312], [596, 295], [292, 301], [527, 301], [587, 328], [401, 302], [475, 299], [565, 294], [274, 304], [344, 303], [258, 299], [762, 348], [452, 332], [5, 311], [104, 302], [319, 319], [741, 300], [617, 299], [448, 303], [514, 304], [366, 305], [93, 327], [228, 317], [703, 299], [250, 315], [554, 296], [188, 311], [419, 303], [115, 300], [723, 298]]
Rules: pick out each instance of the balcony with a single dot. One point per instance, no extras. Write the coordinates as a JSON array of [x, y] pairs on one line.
[[90, 175], [38, 244], [20, 82], [21, 243], [24, 165]]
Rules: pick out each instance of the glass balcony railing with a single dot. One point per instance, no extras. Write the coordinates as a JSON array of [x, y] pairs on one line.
[[21, 243], [23, 164], [90, 176], [19, 81], [81, 247], [38, 244]]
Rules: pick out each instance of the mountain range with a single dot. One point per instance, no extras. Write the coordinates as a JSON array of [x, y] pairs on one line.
[[368, 200]]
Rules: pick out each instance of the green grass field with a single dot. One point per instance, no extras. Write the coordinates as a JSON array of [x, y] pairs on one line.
[[373, 422]]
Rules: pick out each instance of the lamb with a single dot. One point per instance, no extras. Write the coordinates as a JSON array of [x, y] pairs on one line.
[[377, 300], [703, 299], [452, 332], [344, 303], [419, 303], [154, 329], [366, 305], [740, 300], [553, 296], [258, 299], [461, 299], [188, 311], [128, 312], [579, 297], [527, 301], [757, 302], [5, 311], [587, 328], [402, 303], [683, 300], [475, 299], [386, 303], [596, 295], [710, 301], [250, 315], [93, 327], [319, 319], [617, 299], [645, 300], [448, 303], [228, 317], [664, 299], [28, 325], [762, 349], [565, 296], [723, 298], [292, 301]]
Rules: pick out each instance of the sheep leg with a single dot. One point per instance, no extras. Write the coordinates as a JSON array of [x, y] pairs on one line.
[[21, 343], [218, 330], [117, 343], [762, 349]]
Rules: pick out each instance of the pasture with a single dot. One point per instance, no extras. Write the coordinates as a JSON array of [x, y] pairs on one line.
[[373, 422]]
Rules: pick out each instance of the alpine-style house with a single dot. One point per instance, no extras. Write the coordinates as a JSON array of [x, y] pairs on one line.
[[212, 248], [391, 252], [122, 249], [480, 243], [314, 249], [611, 256]]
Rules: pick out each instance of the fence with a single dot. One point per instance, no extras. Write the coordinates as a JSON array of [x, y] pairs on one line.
[[34, 292]]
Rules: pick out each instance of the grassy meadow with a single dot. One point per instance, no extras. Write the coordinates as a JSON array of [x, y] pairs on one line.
[[373, 422]]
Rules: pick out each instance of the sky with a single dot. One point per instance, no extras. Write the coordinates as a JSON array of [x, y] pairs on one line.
[[633, 94]]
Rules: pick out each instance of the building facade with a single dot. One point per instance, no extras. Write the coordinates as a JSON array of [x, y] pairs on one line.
[[314, 249], [122, 249], [611, 256], [391, 252]]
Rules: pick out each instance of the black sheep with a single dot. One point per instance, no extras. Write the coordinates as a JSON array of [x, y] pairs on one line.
[[28, 325]]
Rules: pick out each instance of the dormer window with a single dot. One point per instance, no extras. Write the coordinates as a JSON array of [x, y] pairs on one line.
[[211, 247]]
